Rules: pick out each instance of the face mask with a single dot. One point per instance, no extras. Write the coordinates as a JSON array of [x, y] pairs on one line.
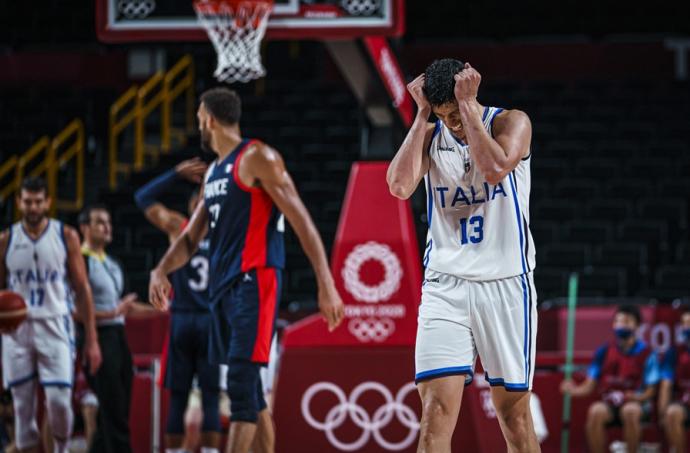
[[686, 335], [623, 333]]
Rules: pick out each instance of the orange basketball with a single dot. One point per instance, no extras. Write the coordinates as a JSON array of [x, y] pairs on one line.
[[12, 310]]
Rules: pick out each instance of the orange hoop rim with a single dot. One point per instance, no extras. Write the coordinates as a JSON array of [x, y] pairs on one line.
[[215, 6]]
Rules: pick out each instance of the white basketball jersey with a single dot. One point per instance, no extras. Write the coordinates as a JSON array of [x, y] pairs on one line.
[[38, 269], [477, 230]]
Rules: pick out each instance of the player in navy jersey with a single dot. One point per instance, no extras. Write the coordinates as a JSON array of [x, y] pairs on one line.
[[247, 191], [674, 391], [187, 349]]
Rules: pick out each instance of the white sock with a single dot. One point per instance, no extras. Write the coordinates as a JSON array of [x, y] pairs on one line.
[[60, 446], [175, 450], [209, 450]]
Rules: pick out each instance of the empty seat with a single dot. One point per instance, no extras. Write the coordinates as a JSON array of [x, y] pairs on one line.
[[551, 282], [642, 230], [675, 278], [551, 168], [683, 254], [550, 209], [608, 209], [600, 168], [544, 231], [588, 231], [565, 255], [603, 282], [671, 210], [649, 167], [628, 188], [577, 188]]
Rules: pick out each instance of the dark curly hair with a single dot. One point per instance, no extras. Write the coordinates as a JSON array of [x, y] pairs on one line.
[[223, 103], [439, 82]]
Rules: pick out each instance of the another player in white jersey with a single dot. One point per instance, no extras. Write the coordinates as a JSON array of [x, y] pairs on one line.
[[478, 295], [39, 257]]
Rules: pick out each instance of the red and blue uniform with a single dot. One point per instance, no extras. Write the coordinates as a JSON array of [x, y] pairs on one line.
[[675, 367], [618, 371], [247, 256]]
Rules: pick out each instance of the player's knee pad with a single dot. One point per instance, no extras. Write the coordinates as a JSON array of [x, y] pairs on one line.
[[243, 377], [59, 408], [176, 407], [209, 403], [25, 426]]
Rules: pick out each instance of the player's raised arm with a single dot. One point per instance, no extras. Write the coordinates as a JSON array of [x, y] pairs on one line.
[[411, 161], [179, 252], [147, 197], [495, 157], [83, 298], [264, 166]]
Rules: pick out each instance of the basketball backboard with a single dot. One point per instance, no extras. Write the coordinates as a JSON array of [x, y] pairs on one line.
[[175, 20]]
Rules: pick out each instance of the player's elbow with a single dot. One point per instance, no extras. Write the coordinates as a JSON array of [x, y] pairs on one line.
[[400, 191], [493, 177]]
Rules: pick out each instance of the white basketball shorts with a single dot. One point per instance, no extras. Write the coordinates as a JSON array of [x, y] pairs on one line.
[[40, 348], [460, 319]]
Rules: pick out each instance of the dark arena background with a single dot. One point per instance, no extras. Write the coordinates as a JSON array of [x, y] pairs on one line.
[[98, 97]]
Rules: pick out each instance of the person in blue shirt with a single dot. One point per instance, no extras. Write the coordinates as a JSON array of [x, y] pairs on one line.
[[624, 372], [674, 390]]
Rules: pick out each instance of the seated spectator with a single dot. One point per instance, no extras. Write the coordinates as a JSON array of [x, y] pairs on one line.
[[674, 391], [625, 372]]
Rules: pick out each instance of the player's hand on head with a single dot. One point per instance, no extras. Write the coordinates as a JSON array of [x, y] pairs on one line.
[[331, 307], [416, 89], [467, 84], [159, 289], [192, 169]]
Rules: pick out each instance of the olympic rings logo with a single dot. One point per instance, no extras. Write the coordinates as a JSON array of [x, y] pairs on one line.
[[136, 9], [371, 425], [371, 329], [392, 272]]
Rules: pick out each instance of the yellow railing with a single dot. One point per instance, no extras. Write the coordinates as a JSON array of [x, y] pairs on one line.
[[134, 108], [50, 164]]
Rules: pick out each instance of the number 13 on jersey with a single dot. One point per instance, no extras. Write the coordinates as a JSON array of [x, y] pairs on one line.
[[472, 230]]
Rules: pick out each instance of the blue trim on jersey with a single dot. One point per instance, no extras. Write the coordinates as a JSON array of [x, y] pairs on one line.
[[40, 236], [437, 129], [486, 111], [513, 185], [429, 215], [509, 386], [491, 121], [447, 371], [22, 380], [667, 369], [427, 252], [63, 384]]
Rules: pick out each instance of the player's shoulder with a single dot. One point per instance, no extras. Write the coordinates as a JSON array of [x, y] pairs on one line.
[[70, 234], [261, 152], [507, 116]]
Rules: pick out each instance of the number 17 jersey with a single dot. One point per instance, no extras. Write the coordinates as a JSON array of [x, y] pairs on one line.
[[245, 227], [477, 231]]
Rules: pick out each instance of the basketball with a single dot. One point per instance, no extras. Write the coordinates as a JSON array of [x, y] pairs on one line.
[[12, 310]]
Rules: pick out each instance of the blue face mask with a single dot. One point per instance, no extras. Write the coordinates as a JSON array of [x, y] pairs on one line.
[[686, 335], [623, 333]]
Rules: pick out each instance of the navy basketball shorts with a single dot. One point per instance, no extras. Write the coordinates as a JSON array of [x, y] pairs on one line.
[[187, 353], [244, 317]]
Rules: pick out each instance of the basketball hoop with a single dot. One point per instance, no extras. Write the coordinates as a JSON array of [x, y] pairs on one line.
[[236, 28]]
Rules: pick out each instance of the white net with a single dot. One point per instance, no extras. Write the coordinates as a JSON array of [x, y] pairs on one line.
[[236, 30]]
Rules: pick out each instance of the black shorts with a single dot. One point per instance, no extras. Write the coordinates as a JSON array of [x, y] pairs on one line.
[[244, 317], [616, 411]]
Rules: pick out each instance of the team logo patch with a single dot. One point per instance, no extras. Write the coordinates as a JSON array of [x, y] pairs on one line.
[[228, 168]]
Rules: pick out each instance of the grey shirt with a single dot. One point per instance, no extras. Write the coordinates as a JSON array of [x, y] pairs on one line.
[[106, 280]]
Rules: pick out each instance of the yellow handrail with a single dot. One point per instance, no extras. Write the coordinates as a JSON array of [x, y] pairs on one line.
[[74, 130], [147, 103], [50, 165], [135, 106], [116, 126]]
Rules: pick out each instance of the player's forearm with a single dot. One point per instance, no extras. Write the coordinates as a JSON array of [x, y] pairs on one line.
[[313, 247], [406, 168], [179, 252], [488, 155], [86, 311], [646, 395], [584, 389], [150, 192]]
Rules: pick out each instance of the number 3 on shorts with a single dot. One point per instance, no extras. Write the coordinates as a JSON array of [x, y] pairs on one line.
[[476, 230]]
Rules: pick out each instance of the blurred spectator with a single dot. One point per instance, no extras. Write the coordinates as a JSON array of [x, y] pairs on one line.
[[674, 391], [625, 372]]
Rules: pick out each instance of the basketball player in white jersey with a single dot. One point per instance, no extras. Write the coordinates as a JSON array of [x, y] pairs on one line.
[[478, 296], [39, 257]]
